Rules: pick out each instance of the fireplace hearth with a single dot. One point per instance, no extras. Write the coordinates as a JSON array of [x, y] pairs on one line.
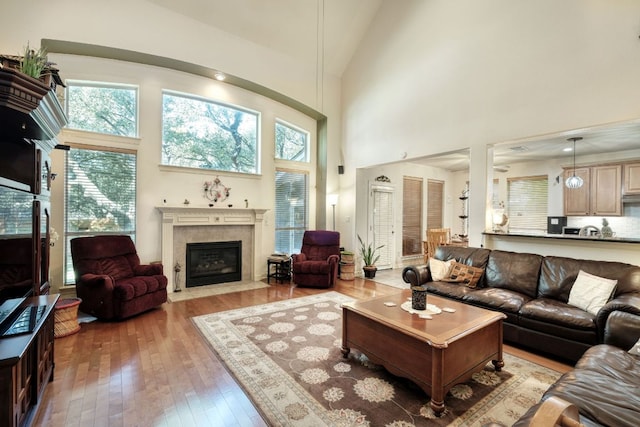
[[213, 262]]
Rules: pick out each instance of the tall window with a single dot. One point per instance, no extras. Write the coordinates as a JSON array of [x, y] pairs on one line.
[[103, 108], [100, 196], [199, 133], [411, 216], [291, 216], [527, 203], [435, 201], [291, 143]]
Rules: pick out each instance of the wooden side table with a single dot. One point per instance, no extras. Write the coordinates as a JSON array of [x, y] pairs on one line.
[[279, 268]]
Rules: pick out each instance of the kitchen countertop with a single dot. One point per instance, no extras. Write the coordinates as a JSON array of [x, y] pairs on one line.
[[566, 237]]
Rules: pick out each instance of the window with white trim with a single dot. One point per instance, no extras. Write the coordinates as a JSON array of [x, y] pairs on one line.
[[291, 143], [527, 203], [292, 210], [100, 196], [200, 133], [411, 216], [102, 107]]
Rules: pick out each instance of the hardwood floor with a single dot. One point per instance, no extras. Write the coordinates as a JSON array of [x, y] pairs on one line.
[[155, 370]]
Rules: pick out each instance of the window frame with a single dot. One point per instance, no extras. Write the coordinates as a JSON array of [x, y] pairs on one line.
[[198, 98], [412, 223], [104, 85], [67, 275], [292, 230], [307, 134], [536, 215]]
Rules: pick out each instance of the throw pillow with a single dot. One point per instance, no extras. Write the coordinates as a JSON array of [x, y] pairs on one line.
[[439, 269], [465, 274], [635, 350], [591, 292]]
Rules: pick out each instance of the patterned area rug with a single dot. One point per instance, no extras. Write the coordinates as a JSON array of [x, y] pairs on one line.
[[286, 355]]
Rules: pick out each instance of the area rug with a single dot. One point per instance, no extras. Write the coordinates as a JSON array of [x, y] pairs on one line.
[[286, 355], [219, 289]]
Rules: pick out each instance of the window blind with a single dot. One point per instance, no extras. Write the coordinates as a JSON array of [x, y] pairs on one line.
[[435, 200], [527, 207], [100, 196], [291, 215], [411, 216]]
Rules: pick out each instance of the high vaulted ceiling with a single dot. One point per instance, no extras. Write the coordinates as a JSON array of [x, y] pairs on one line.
[[291, 27], [325, 34]]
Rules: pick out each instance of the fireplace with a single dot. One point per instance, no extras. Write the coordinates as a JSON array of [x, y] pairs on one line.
[[213, 262]]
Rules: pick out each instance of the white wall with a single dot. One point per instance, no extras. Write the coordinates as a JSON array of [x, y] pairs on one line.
[[443, 75], [141, 26]]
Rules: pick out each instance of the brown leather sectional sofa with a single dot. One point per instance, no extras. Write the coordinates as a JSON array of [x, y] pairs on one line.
[[604, 383], [533, 291]]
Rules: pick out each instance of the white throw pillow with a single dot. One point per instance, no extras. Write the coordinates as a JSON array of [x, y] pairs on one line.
[[591, 292], [635, 350], [439, 269]]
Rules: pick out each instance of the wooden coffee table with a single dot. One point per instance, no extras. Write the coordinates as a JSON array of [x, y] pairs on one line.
[[435, 353]]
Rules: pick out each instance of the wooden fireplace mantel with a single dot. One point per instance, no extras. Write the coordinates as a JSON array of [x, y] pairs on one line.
[[189, 215]]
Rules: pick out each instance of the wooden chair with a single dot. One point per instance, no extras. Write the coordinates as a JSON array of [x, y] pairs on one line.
[[435, 237]]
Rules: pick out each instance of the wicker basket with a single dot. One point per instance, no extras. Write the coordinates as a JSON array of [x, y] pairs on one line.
[[66, 317], [347, 271]]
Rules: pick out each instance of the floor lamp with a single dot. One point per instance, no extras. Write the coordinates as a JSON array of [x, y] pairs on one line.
[[332, 199]]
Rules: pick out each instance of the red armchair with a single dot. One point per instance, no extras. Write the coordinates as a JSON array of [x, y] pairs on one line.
[[317, 264], [110, 280]]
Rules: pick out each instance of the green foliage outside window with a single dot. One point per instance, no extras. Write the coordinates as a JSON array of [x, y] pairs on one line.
[[291, 143], [202, 134], [104, 109]]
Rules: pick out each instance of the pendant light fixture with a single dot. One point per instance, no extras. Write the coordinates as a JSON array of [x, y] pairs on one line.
[[574, 181]]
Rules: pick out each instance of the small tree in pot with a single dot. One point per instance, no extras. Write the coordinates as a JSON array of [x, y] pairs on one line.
[[369, 257]]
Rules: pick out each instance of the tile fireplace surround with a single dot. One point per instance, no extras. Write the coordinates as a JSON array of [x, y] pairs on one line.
[[186, 224]]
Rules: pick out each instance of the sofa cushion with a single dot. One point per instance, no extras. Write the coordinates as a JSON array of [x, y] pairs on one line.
[[117, 267], [475, 257], [518, 272], [447, 289], [497, 299], [138, 286], [558, 274], [590, 292], [466, 274], [439, 269], [559, 313], [604, 386], [312, 267]]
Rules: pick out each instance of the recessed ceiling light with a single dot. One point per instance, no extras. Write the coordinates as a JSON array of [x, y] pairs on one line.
[[219, 76], [567, 149]]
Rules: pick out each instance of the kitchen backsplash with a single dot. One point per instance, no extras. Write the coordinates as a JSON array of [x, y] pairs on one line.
[[623, 226]]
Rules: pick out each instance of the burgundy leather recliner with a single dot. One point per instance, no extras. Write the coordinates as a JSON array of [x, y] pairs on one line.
[[110, 280], [316, 266]]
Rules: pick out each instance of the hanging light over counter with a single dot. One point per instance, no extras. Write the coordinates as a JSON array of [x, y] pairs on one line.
[[574, 181]]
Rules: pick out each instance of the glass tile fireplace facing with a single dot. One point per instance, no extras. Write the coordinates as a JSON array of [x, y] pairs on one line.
[[213, 262]]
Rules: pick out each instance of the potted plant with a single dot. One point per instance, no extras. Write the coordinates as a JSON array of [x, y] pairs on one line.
[[369, 257]]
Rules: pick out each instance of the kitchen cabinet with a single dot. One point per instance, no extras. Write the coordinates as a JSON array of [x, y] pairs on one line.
[[632, 178], [600, 195]]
